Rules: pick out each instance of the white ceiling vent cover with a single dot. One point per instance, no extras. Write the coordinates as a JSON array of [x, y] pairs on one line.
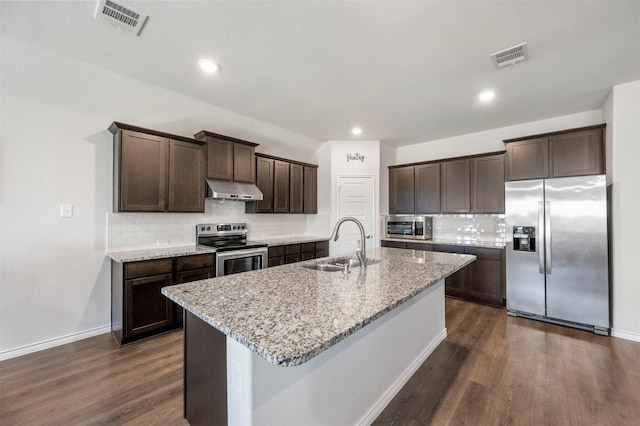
[[510, 56], [123, 17]]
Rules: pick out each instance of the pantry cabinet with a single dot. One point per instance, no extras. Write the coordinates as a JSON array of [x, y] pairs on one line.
[[575, 152]]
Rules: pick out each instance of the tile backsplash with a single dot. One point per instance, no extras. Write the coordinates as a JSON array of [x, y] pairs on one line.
[[469, 227], [138, 231]]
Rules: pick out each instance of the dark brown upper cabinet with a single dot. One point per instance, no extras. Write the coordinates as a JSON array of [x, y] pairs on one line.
[[575, 152], [487, 184], [186, 177], [229, 158], [427, 188], [296, 188], [310, 189], [578, 153], [455, 186], [156, 172], [280, 187], [287, 186], [264, 182], [401, 190]]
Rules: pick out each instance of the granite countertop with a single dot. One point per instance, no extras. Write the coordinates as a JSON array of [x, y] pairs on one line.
[[289, 314], [158, 253], [495, 243], [293, 239]]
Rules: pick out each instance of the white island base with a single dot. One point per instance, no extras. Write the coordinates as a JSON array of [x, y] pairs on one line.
[[349, 383]]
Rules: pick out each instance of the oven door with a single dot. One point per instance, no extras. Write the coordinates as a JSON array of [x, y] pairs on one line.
[[235, 261]]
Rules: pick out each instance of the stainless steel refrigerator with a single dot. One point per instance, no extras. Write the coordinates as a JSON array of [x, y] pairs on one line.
[[557, 251]]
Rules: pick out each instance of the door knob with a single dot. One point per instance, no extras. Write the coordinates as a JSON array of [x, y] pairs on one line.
[[368, 236]]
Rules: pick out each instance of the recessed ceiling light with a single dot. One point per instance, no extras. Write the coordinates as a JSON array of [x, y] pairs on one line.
[[208, 65], [487, 96], [356, 131]]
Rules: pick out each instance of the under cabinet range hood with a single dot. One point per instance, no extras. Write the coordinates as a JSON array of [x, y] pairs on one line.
[[239, 191]]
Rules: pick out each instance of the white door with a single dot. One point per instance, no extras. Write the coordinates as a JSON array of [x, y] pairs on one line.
[[355, 199]]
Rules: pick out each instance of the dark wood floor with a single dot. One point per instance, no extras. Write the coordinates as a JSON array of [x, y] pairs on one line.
[[492, 369]]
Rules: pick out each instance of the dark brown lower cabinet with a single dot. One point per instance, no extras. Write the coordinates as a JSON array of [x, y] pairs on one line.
[[138, 308], [292, 253], [412, 245], [483, 280]]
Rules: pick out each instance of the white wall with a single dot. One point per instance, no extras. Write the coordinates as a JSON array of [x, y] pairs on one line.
[[623, 109], [55, 149], [490, 140], [338, 165]]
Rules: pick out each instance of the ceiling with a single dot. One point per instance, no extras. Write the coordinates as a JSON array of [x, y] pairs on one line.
[[405, 71]]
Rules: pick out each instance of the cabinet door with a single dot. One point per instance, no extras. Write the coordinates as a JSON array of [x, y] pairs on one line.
[[280, 187], [487, 184], [427, 188], [322, 249], [578, 153], [264, 182], [186, 177], [146, 309], [393, 244], [143, 172], [484, 276], [296, 188], [244, 166], [219, 159], [455, 186], [401, 190], [456, 283], [528, 159], [310, 189]]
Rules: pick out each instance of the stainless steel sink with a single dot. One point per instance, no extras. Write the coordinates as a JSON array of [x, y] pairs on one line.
[[337, 264]]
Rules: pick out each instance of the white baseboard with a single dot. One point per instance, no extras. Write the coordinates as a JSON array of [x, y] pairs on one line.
[[46, 344], [625, 335], [393, 390]]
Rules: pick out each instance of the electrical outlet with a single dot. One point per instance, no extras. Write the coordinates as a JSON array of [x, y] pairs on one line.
[[236, 376], [162, 243], [66, 210]]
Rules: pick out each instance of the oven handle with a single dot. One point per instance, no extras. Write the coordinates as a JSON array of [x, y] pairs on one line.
[[243, 253]]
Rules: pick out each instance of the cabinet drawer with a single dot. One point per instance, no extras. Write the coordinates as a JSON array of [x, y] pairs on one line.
[[419, 246], [446, 248], [194, 262], [308, 247], [485, 253], [322, 246], [292, 249], [393, 244], [276, 251], [194, 275], [147, 268]]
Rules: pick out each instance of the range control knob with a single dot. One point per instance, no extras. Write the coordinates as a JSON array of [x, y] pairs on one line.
[[208, 228], [202, 229], [243, 226]]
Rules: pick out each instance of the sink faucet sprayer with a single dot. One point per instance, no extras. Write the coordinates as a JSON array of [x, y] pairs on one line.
[[361, 253]]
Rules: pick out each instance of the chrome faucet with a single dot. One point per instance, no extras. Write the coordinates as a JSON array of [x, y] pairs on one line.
[[361, 253]]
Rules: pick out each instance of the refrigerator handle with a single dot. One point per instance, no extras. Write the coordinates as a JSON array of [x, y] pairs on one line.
[[541, 248], [547, 236]]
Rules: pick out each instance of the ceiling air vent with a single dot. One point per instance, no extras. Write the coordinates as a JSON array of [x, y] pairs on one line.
[[121, 16], [510, 56]]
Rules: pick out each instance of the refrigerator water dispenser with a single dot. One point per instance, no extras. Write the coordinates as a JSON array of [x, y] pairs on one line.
[[524, 238]]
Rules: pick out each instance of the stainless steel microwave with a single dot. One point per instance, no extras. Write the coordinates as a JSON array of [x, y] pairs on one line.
[[410, 227]]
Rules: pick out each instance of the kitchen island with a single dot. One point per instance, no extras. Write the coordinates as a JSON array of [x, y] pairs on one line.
[[292, 345]]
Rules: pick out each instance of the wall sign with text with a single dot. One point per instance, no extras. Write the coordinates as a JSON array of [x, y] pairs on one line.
[[355, 157]]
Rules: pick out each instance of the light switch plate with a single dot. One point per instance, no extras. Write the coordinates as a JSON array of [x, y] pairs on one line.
[[66, 210]]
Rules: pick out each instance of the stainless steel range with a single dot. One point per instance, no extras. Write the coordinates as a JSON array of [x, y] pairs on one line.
[[234, 253]]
